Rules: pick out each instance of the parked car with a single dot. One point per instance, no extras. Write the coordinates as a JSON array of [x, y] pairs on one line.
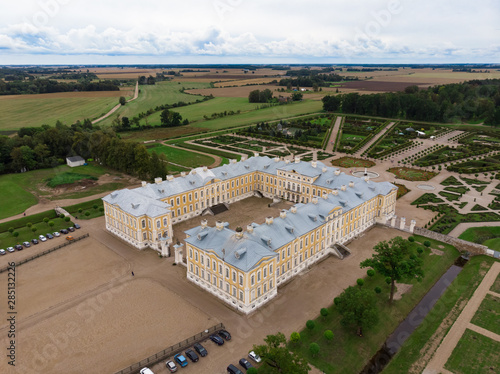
[[64, 231], [42, 238], [49, 236], [18, 247], [192, 355], [181, 360], [171, 366], [254, 356], [10, 249], [200, 349], [146, 371], [34, 241], [72, 229], [27, 244], [70, 238], [245, 364], [56, 234], [77, 226], [216, 339], [2, 252], [233, 369], [226, 335]]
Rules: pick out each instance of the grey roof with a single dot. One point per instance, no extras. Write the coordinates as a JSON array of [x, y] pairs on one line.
[[136, 204], [75, 159]]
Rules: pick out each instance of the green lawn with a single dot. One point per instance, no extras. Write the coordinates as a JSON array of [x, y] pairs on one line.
[[37, 110], [183, 157], [493, 244], [474, 354], [416, 352], [488, 235], [348, 353], [488, 314], [93, 207], [68, 178], [350, 162], [496, 286], [18, 190], [152, 96]]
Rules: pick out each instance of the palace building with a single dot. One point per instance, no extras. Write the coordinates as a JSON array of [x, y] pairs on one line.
[[245, 267]]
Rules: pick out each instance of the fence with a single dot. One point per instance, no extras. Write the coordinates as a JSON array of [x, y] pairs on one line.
[[173, 349], [47, 251]]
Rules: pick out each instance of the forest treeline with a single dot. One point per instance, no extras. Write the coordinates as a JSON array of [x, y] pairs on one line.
[[46, 146], [41, 86], [471, 100]]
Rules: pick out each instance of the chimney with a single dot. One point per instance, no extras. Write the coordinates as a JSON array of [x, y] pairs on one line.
[[250, 228], [276, 159], [297, 159], [325, 195], [335, 192], [351, 184], [243, 158], [232, 161], [337, 172], [269, 220], [343, 187], [219, 225], [283, 214], [239, 233], [256, 154], [293, 209], [315, 200], [205, 168], [287, 162], [314, 164], [367, 179], [193, 172], [144, 183], [204, 223], [324, 169], [170, 178], [158, 180], [183, 173]]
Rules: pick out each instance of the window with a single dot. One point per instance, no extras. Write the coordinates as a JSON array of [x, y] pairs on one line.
[[196, 256], [265, 288], [143, 236], [258, 276], [190, 253], [220, 283], [265, 272], [220, 269], [234, 291], [271, 269], [191, 268], [241, 296], [164, 221], [202, 259], [227, 272], [258, 292], [253, 280], [208, 263], [184, 199], [178, 201], [234, 276], [143, 224], [241, 280]]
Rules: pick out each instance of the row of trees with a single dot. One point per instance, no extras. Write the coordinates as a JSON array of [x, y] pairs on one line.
[[258, 96], [40, 86], [357, 305], [46, 146], [476, 99]]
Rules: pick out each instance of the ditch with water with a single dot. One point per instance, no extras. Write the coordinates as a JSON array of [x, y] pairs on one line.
[[413, 320]]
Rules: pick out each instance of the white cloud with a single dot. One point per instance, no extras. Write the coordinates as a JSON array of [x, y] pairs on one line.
[[341, 30]]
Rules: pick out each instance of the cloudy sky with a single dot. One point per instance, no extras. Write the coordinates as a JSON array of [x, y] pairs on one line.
[[249, 31]]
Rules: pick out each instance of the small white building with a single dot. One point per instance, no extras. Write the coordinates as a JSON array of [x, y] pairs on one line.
[[75, 161]]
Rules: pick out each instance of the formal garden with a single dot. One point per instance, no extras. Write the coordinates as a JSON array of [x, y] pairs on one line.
[[355, 133], [410, 174]]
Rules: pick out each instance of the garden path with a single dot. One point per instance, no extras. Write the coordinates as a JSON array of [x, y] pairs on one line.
[[333, 135], [375, 138]]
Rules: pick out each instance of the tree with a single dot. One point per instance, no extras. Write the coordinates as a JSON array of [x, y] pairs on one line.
[[360, 282], [370, 272], [328, 335], [295, 337], [95, 206], [87, 213], [51, 223], [122, 100], [166, 118], [310, 324], [324, 312], [11, 230], [331, 103], [357, 307], [297, 96], [427, 243], [395, 261], [16, 234], [277, 358], [314, 349], [46, 220], [29, 224], [67, 219], [34, 228]]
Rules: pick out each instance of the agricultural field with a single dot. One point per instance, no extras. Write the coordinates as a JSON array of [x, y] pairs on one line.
[[357, 132], [182, 157], [18, 111], [151, 96]]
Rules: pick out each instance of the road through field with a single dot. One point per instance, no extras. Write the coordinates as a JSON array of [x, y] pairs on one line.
[[117, 106]]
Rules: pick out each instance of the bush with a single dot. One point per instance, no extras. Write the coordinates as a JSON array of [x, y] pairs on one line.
[[427, 243], [66, 219], [295, 337], [378, 289], [310, 324], [324, 312], [370, 272], [252, 370], [360, 282], [411, 239], [328, 335], [314, 349]]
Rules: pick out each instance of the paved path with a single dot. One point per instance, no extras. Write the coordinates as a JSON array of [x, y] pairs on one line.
[[375, 138], [117, 106], [462, 323], [333, 135]]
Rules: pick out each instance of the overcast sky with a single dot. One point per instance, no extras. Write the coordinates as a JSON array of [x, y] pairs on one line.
[[249, 31]]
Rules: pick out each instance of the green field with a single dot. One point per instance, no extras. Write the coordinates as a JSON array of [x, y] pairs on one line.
[[488, 236], [95, 208], [496, 286], [154, 95], [474, 354], [488, 314], [19, 190], [195, 112], [182, 157], [67, 178], [415, 352], [27, 111]]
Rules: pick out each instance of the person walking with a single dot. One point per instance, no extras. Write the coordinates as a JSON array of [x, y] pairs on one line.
[[133, 273]]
